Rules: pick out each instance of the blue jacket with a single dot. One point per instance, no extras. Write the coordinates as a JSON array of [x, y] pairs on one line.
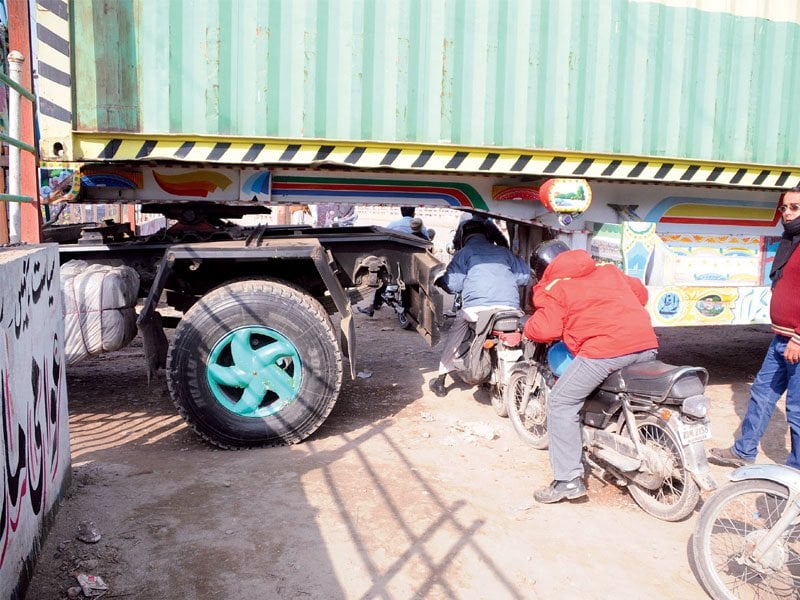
[[486, 274], [403, 224]]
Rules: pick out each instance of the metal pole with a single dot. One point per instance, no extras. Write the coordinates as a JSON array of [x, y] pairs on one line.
[[15, 60]]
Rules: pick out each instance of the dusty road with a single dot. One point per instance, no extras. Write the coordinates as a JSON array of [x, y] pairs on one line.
[[391, 498]]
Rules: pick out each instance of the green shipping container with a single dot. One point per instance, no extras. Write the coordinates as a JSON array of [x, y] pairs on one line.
[[635, 78]]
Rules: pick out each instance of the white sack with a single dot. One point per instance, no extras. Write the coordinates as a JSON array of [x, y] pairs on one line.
[[99, 308]]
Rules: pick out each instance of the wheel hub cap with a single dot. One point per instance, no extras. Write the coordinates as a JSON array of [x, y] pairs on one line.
[[254, 371]]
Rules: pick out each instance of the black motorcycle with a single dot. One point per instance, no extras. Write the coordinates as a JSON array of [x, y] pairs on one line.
[[643, 428], [490, 351]]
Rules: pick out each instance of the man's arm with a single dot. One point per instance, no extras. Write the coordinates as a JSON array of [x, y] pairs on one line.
[[456, 273], [521, 270], [547, 323], [638, 289]]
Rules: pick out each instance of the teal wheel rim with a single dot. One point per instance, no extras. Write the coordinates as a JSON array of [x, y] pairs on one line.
[[254, 372]]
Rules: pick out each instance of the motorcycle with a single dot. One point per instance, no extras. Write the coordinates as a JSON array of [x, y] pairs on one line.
[[392, 296], [392, 293], [490, 351], [643, 427], [746, 543]]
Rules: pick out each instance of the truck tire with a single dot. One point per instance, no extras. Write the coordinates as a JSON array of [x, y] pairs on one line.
[[254, 363]]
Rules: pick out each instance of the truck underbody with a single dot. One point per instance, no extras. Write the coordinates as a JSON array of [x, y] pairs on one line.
[[243, 366]]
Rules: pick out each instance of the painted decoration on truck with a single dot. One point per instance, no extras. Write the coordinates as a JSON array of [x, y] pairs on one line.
[[724, 259], [58, 185], [112, 177], [639, 242], [412, 192], [197, 184], [712, 211], [685, 305], [681, 259]]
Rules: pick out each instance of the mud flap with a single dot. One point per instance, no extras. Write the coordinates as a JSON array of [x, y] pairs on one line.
[[347, 328], [697, 465], [426, 301]]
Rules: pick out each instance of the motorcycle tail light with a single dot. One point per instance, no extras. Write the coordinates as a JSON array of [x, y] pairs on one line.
[[511, 339], [665, 414], [696, 406]]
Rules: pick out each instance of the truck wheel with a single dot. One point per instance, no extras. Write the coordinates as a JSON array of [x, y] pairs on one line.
[[254, 363]]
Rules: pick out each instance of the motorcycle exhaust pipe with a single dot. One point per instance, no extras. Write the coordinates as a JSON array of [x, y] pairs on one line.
[[598, 438]]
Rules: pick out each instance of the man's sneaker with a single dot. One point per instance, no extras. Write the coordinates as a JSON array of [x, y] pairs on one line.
[[437, 387], [369, 311], [727, 457], [561, 490]]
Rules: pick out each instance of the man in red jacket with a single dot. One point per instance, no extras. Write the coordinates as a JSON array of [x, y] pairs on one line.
[[779, 372], [599, 314]]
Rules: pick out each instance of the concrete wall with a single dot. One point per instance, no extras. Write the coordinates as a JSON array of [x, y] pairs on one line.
[[33, 407]]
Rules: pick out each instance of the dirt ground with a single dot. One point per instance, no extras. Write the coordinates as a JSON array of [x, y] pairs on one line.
[[398, 495]]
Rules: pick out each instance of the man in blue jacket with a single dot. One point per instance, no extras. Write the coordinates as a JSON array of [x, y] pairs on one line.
[[488, 276]]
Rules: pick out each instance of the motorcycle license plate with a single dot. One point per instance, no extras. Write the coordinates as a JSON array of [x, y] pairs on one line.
[[696, 432]]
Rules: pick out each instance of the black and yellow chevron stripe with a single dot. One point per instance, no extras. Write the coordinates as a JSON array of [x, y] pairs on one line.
[[413, 157]]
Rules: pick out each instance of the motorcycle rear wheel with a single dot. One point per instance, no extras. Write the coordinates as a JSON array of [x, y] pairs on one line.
[[528, 411], [678, 494], [733, 520]]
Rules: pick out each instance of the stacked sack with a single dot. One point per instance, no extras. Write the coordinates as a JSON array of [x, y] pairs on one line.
[[99, 308]]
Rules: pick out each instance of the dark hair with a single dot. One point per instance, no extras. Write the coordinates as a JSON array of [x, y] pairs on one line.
[[407, 211], [793, 190]]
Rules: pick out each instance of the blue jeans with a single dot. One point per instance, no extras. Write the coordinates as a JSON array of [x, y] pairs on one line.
[[776, 376]]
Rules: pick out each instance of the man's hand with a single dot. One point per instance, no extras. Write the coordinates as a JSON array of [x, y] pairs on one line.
[[792, 353]]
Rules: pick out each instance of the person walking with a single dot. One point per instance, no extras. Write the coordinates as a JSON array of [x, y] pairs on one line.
[[779, 372], [407, 223]]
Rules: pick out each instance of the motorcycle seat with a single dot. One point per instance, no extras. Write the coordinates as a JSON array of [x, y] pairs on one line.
[[655, 378], [507, 320]]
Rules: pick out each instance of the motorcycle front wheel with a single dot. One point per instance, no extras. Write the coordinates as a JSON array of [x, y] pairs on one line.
[[526, 404], [731, 523], [678, 493]]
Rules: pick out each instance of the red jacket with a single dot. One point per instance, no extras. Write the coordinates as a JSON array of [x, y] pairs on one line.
[[595, 309], [784, 307]]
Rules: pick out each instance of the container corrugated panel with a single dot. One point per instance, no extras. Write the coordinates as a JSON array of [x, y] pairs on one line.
[[612, 76]]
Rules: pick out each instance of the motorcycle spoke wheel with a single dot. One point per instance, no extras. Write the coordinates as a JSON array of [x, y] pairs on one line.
[[731, 523], [526, 404], [678, 493]]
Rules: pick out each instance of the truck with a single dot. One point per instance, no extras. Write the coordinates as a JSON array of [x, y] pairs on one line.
[[657, 135]]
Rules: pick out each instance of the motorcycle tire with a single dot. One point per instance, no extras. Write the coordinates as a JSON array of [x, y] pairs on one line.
[[678, 494], [404, 321], [254, 363], [732, 520], [526, 404], [499, 401]]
